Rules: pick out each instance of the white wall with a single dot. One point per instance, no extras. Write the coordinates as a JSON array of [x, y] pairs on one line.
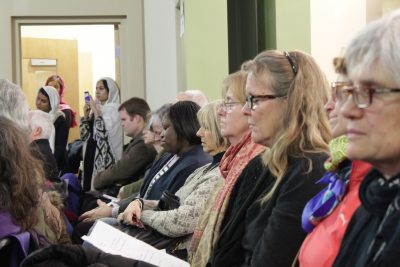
[[97, 40], [333, 25], [131, 32], [161, 52]]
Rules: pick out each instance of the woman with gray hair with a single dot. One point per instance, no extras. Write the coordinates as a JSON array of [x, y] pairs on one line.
[[41, 128], [371, 106], [152, 133], [13, 104]]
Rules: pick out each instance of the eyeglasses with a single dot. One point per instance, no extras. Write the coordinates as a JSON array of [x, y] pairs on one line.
[[228, 106], [362, 95], [252, 101], [337, 86]]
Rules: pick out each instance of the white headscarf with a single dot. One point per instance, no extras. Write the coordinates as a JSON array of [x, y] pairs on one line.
[[55, 112], [111, 119], [54, 100]]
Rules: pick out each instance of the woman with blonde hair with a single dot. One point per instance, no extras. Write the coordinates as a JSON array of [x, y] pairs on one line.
[[239, 155], [286, 93]]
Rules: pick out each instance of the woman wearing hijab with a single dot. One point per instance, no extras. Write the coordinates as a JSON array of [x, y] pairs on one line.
[[100, 129], [70, 115], [48, 101]]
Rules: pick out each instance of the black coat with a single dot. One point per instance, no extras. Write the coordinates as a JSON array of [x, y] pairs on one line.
[[78, 256], [42, 151], [268, 234], [173, 179], [60, 141]]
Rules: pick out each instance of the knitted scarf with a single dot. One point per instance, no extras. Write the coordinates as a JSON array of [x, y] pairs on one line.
[[207, 230]]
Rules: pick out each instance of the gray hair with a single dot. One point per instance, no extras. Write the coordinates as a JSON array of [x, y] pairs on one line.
[[38, 118], [13, 104], [195, 96], [377, 46], [157, 116]]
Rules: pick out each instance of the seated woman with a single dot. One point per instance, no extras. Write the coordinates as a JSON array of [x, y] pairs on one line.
[[101, 131], [48, 101], [41, 127], [70, 115], [152, 134], [330, 211], [49, 223], [371, 106], [184, 154], [286, 93], [238, 157], [20, 177], [181, 221]]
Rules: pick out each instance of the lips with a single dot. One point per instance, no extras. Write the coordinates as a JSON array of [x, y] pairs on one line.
[[354, 133]]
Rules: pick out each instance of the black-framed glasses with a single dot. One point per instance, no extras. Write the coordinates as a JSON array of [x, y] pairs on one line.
[[228, 106], [362, 95], [252, 101]]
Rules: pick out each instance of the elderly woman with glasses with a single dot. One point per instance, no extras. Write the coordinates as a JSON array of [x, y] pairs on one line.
[[240, 155], [372, 107], [286, 93], [327, 215]]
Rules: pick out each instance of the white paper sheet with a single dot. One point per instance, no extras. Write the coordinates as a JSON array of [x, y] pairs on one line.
[[113, 241]]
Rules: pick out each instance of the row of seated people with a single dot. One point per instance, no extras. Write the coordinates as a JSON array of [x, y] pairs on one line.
[[283, 162]]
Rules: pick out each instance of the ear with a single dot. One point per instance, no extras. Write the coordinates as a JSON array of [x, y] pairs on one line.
[[132, 118], [37, 132], [138, 118]]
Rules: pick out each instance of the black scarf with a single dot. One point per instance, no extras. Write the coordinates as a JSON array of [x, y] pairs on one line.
[[382, 198]]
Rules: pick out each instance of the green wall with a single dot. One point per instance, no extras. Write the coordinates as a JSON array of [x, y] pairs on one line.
[[269, 24], [206, 45], [205, 41], [293, 25]]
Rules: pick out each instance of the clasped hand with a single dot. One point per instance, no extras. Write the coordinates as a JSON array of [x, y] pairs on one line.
[[132, 214]]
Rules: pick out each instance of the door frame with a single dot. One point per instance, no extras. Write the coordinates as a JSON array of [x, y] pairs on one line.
[[18, 21]]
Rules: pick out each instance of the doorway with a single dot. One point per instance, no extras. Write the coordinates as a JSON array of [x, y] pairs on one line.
[[81, 54]]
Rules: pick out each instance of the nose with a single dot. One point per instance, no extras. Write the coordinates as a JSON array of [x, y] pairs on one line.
[[246, 110], [198, 133], [329, 106], [221, 110]]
